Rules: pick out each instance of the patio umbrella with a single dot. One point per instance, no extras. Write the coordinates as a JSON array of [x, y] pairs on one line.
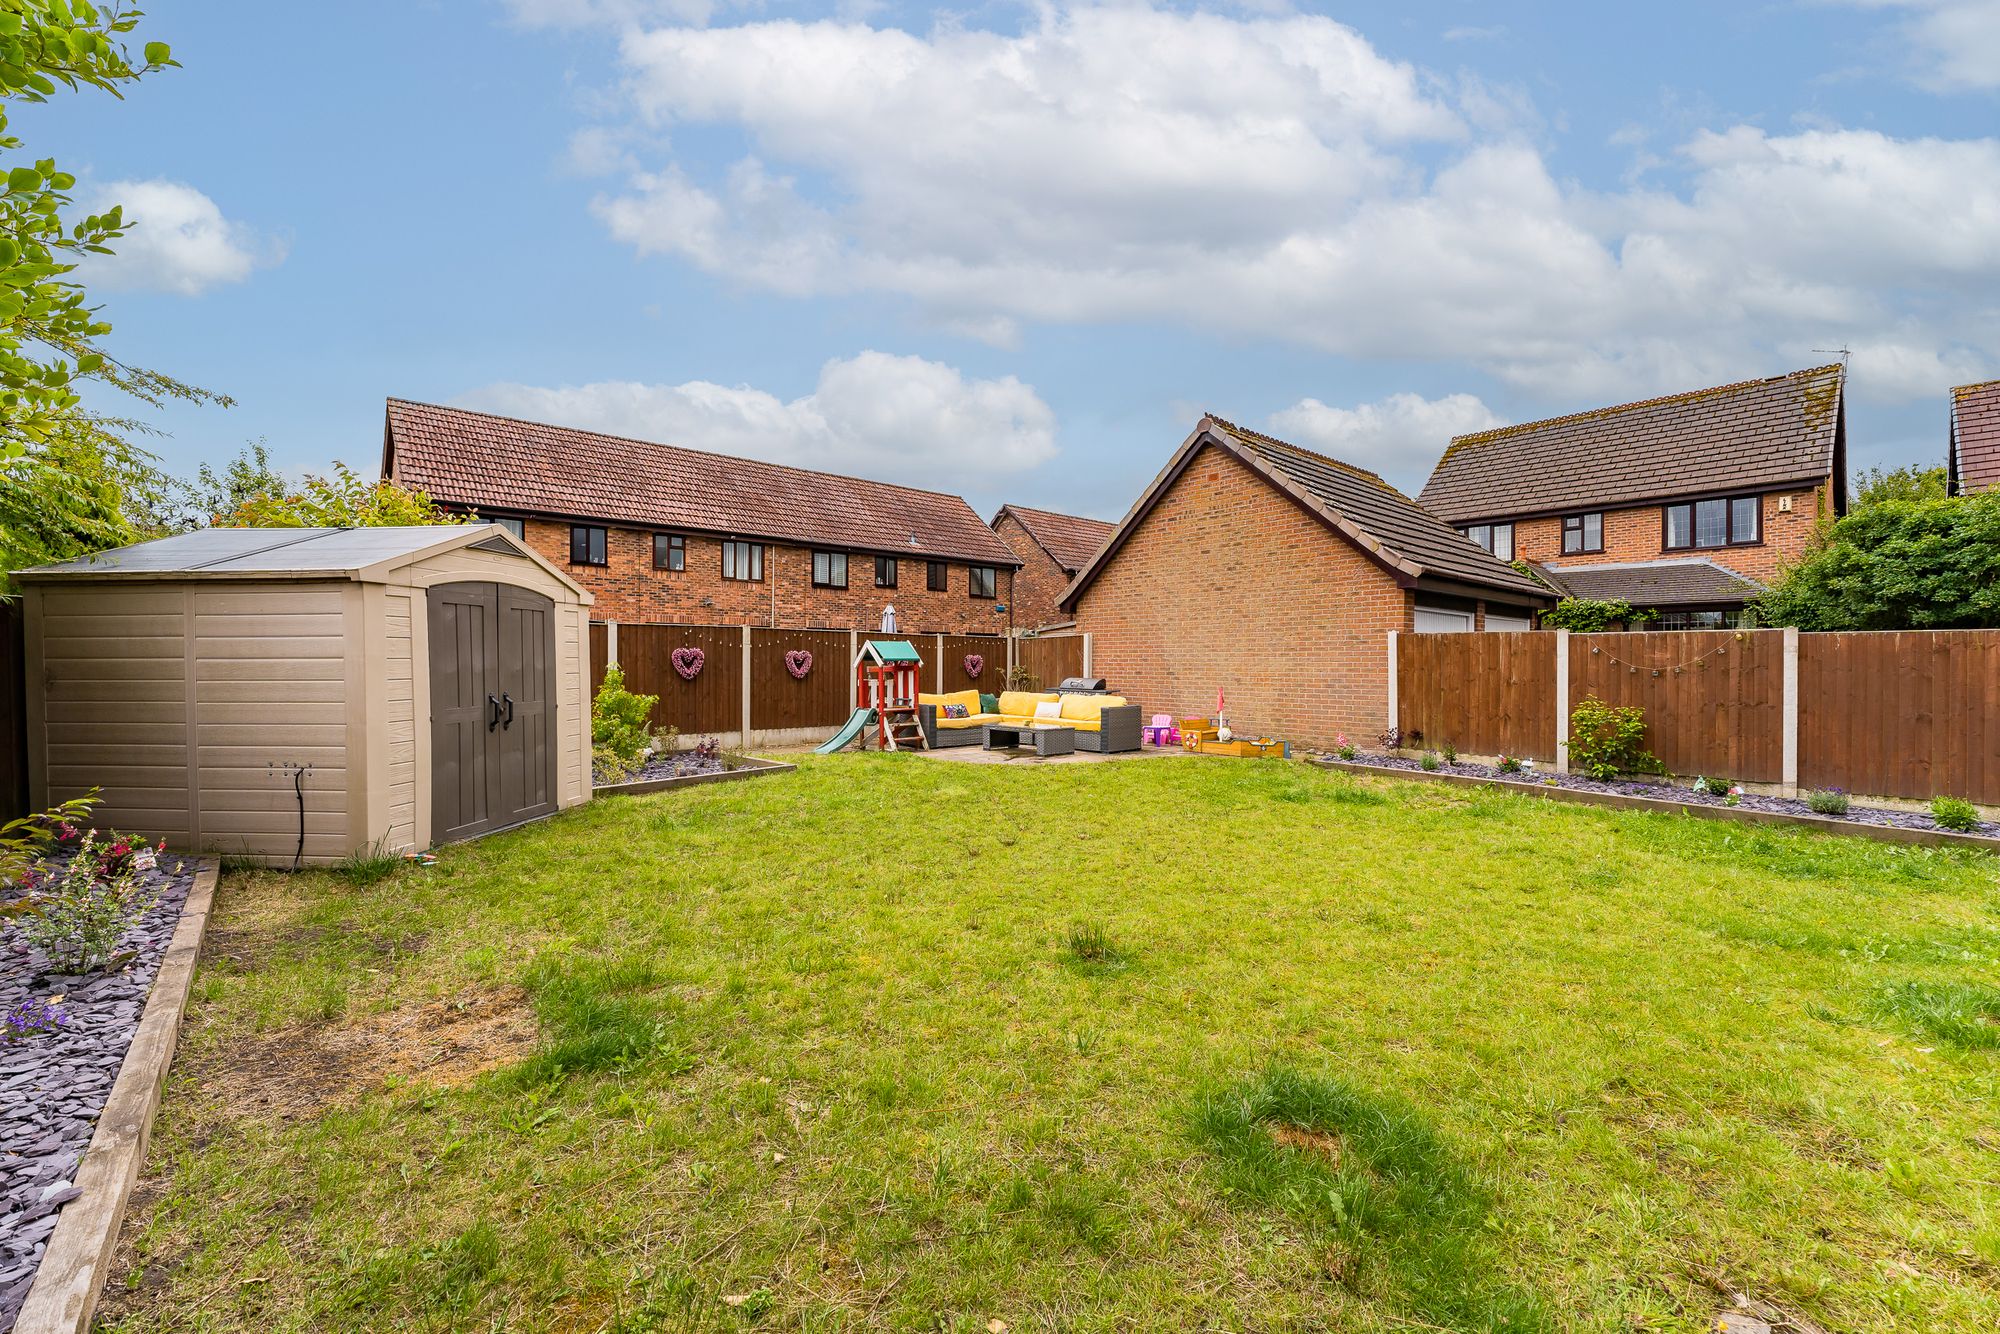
[[889, 619]]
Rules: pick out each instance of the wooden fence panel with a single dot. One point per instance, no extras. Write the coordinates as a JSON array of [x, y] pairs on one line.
[[712, 702], [992, 649], [1051, 659], [1906, 713], [1714, 699], [1486, 694], [822, 698]]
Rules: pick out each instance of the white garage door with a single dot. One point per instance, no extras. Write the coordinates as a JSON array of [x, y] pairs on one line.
[[1494, 622], [1432, 621]]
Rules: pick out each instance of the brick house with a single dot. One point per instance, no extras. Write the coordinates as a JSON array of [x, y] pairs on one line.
[[1975, 438], [1689, 504], [661, 533], [1052, 549], [1277, 574]]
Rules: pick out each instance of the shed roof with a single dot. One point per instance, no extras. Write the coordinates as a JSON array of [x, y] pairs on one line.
[[1750, 436], [1975, 437], [364, 554]]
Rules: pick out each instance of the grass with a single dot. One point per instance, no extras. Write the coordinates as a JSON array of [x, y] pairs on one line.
[[893, 1043]]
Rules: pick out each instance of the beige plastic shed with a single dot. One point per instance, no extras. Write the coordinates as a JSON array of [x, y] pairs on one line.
[[299, 694]]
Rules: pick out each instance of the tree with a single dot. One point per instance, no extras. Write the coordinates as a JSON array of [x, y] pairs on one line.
[[1898, 565], [213, 496], [1906, 483], [344, 500]]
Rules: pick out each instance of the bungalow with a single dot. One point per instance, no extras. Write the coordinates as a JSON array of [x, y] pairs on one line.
[[1975, 438], [1053, 548], [661, 533], [1688, 504], [1275, 574]]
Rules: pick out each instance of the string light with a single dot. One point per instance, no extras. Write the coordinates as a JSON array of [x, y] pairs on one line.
[[1679, 668]]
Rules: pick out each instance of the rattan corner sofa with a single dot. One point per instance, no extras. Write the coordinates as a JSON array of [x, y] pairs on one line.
[[1103, 723]]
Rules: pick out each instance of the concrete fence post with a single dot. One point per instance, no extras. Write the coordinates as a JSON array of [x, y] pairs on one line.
[[940, 663], [611, 643], [1395, 697], [1562, 701], [1790, 778], [746, 686], [1088, 664]]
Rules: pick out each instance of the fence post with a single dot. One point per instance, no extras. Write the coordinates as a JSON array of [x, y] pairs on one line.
[[746, 687], [611, 643], [1087, 664], [1562, 701], [940, 663], [1790, 778], [1395, 722]]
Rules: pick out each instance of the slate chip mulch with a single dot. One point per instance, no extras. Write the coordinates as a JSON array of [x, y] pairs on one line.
[[54, 1085]]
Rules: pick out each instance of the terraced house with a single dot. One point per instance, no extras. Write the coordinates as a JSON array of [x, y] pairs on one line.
[[1053, 548], [1687, 504], [661, 533]]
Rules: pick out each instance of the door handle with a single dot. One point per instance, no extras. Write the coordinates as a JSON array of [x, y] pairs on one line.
[[492, 713], [508, 700]]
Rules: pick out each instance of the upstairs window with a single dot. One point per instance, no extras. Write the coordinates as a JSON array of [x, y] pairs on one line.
[[936, 576], [1733, 521], [586, 545], [669, 551], [829, 569], [514, 526], [1582, 533], [981, 581], [885, 572], [1497, 538], [743, 561]]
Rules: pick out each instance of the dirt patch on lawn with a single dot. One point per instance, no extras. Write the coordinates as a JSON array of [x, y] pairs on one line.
[[1320, 1142], [297, 1073]]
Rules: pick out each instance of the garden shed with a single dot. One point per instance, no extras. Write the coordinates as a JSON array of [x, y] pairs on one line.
[[300, 694]]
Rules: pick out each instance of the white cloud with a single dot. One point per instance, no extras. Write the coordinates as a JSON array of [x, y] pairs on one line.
[[1279, 177], [176, 240], [876, 415], [1954, 44], [1400, 436]]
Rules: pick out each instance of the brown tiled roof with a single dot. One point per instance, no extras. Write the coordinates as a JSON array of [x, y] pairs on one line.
[[1975, 437], [1757, 435], [1070, 539], [1381, 521], [1654, 583], [506, 465]]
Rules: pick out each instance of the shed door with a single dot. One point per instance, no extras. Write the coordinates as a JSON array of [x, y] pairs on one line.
[[493, 753]]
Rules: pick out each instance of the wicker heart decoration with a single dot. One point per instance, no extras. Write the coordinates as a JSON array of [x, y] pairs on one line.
[[798, 662], [974, 665], [688, 662]]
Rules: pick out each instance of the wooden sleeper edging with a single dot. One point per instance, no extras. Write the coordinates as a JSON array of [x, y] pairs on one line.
[[747, 766]]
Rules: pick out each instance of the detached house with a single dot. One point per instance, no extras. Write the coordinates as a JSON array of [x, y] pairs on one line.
[[1975, 438], [1052, 549], [660, 533], [1687, 504]]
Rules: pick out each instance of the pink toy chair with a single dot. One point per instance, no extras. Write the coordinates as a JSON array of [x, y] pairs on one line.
[[1162, 732]]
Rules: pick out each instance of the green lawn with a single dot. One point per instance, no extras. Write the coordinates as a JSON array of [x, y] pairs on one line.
[[1196, 1044]]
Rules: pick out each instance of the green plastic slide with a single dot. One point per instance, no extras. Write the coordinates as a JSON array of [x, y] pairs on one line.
[[856, 723]]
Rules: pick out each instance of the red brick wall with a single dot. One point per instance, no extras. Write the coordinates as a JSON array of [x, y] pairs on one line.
[[628, 588], [1637, 534], [1040, 582], [1226, 583]]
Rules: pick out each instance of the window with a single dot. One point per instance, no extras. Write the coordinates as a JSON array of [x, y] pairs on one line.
[[885, 572], [514, 526], [1697, 620], [586, 545], [981, 581], [1583, 532], [669, 551], [743, 560], [1497, 538], [1730, 522], [935, 576], [829, 569]]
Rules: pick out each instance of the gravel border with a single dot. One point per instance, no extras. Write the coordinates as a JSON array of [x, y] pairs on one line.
[[53, 1087], [731, 768]]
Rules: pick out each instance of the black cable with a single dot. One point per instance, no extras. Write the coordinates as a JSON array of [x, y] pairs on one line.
[[299, 786]]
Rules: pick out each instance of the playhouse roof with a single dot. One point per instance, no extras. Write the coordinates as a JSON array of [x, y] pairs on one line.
[[890, 650]]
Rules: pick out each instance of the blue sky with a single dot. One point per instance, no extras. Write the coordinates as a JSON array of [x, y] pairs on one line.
[[1015, 251]]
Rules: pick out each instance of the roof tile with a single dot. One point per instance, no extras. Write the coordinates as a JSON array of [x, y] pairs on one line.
[[1070, 538], [1975, 436], [1654, 583]]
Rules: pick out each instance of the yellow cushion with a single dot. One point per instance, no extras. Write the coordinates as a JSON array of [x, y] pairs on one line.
[[969, 698], [1088, 708], [1021, 703], [976, 720]]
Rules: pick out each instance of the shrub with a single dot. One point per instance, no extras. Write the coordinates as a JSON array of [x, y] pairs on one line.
[[25, 841], [1429, 762], [1954, 813], [1345, 752], [1449, 751], [1605, 742], [1508, 765], [1827, 801], [79, 912], [1591, 615], [620, 725]]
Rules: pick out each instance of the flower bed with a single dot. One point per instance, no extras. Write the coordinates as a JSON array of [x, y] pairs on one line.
[[55, 1078], [686, 769], [1662, 790]]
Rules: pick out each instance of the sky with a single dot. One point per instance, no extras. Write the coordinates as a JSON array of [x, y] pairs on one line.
[[1015, 251]]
